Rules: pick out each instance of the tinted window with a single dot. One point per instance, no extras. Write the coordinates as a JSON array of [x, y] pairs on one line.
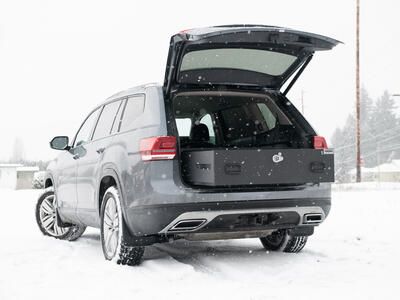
[[85, 131], [106, 120], [133, 108], [269, 117]]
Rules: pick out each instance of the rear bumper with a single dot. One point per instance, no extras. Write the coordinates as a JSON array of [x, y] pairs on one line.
[[152, 206], [253, 217]]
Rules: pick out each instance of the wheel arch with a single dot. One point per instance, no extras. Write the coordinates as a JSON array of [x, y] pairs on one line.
[[109, 177], [48, 181]]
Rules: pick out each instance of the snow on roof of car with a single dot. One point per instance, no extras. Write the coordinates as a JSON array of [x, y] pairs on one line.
[[132, 90]]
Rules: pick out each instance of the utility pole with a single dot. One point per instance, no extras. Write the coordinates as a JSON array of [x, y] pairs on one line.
[[358, 130]]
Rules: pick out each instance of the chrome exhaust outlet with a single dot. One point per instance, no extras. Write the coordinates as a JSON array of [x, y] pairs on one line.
[[188, 225], [312, 218]]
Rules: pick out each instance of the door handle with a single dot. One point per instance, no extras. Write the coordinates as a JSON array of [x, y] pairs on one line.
[[76, 156], [100, 150]]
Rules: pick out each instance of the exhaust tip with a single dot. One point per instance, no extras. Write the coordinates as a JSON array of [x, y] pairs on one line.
[[312, 218], [188, 225]]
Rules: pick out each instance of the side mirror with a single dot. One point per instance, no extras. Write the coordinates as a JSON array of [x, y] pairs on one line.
[[60, 143]]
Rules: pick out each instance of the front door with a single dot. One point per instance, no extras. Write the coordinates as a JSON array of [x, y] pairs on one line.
[[66, 186]]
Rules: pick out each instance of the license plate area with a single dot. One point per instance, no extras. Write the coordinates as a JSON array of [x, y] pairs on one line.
[[253, 221]]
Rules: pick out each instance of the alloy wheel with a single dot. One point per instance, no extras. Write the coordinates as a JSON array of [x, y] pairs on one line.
[[111, 227], [48, 217]]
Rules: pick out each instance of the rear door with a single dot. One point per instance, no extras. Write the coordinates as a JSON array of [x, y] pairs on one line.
[[89, 170], [248, 55]]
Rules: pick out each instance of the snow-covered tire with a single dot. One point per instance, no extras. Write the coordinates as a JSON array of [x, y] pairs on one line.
[[281, 241], [114, 234], [46, 218], [75, 232]]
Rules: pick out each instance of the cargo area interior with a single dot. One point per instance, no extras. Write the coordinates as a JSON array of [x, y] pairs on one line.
[[236, 120], [241, 139]]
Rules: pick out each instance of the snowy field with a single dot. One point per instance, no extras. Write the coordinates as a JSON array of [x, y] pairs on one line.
[[353, 255]]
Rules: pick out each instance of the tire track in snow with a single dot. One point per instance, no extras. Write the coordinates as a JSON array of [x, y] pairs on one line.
[[187, 254]]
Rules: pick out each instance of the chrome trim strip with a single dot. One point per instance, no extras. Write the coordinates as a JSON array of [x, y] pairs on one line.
[[187, 229], [305, 221], [211, 215]]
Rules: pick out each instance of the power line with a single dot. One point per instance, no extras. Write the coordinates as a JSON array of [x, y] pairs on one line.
[[370, 139], [392, 148]]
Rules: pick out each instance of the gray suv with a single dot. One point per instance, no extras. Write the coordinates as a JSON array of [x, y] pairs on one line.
[[216, 152]]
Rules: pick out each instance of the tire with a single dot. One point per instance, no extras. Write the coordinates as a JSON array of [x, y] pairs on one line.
[[46, 218], [114, 234], [281, 241]]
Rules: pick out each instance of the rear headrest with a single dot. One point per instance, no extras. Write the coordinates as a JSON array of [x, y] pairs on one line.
[[199, 133]]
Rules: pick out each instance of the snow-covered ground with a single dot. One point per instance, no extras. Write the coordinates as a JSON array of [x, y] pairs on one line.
[[353, 255]]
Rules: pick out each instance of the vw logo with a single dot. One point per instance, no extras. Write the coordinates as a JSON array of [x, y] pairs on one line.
[[277, 158]]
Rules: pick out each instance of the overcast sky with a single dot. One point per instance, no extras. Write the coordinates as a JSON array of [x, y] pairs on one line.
[[58, 59]]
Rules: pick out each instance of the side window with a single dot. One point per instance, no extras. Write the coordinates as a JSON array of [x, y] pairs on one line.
[[209, 123], [133, 108], [184, 125], [85, 131], [106, 120], [269, 117]]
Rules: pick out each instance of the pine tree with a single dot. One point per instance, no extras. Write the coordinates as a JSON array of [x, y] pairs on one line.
[[343, 141], [380, 135], [368, 144], [385, 129]]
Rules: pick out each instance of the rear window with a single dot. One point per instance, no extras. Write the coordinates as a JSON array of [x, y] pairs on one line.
[[256, 60], [184, 125], [106, 120], [134, 107]]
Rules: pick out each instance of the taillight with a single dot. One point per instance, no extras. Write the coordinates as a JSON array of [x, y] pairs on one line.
[[158, 148], [319, 142]]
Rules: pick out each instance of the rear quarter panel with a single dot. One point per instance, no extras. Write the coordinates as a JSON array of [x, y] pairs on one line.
[[124, 151]]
